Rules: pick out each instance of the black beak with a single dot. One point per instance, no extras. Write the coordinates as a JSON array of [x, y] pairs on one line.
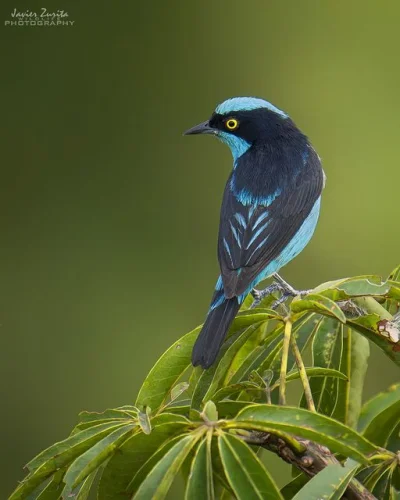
[[201, 128]]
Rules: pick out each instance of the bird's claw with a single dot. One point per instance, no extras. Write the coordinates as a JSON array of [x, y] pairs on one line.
[[286, 294], [278, 285], [259, 295]]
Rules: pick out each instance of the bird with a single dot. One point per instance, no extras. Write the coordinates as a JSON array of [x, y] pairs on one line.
[[270, 208]]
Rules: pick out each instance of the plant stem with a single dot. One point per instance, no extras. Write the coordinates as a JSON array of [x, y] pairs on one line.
[[284, 362], [303, 374]]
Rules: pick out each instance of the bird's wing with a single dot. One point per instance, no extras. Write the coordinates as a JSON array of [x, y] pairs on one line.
[[252, 236]]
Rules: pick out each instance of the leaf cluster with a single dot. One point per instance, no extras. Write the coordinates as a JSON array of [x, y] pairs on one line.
[[210, 426]]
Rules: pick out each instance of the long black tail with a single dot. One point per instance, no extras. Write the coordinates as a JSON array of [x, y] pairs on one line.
[[212, 335]]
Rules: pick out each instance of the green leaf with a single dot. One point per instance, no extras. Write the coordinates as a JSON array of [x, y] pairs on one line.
[[360, 351], [144, 420], [396, 479], [220, 479], [317, 371], [272, 358], [326, 352], [122, 415], [380, 415], [227, 358], [178, 389], [200, 482], [382, 486], [329, 484], [361, 287], [134, 453], [84, 490], [303, 423], [251, 317], [60, 454], [31, 482], [210, 413], [365, 472], [393, 442], [230, 408], [65, 451], [194, 378], [165, 373], [202, 386], [370, 326], [234, 389], [247, 303], [373, 407], [341, 411], [207, 377], [303, 331], [393, 305], [357, 286], [354, 364], [159, 480], [244, 352], [291, 488], [169, 368], [247, 476], [258, 359], [395, 274], [247, 396], [320, 304], [179, 409], [147, 467], [375, 476], [332, 285], [94, 457], [53, 490], [255, 357]]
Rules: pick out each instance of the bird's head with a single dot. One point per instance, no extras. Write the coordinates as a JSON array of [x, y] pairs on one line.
[[241, 122]]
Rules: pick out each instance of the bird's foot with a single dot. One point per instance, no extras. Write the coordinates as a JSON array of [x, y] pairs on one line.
[[279, 285], [288, 289], [259, 295]]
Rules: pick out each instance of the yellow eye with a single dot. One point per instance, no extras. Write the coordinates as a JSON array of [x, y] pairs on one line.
[[232, 124]]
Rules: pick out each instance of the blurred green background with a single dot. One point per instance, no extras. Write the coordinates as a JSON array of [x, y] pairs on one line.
[[109, 216]]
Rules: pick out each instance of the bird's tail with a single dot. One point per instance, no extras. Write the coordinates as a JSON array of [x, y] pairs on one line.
[[220, 316]]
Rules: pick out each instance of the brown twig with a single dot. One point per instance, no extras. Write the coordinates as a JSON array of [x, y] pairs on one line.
[[313, 460]]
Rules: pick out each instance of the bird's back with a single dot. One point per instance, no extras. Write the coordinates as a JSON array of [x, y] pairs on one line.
[[270, 193]]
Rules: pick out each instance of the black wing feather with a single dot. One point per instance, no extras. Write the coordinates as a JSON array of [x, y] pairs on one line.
[[250, 247]]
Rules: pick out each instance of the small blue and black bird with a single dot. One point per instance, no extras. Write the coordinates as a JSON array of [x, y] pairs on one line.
[[269, 209]]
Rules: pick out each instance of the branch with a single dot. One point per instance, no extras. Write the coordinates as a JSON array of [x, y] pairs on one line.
[[313, 460]]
